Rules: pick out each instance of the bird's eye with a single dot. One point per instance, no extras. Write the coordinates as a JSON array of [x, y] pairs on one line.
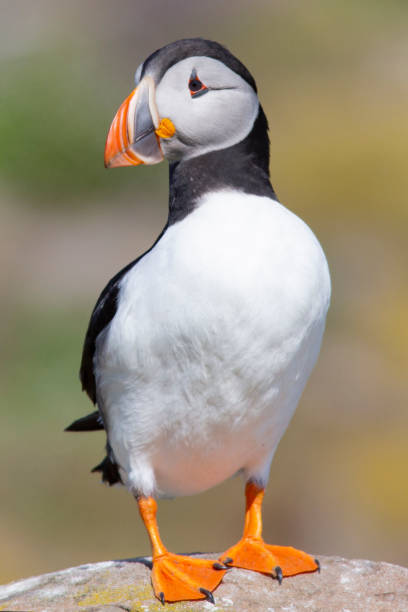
[[195, 86]]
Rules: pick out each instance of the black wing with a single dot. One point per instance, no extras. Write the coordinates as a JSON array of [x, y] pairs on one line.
[[102, 315]]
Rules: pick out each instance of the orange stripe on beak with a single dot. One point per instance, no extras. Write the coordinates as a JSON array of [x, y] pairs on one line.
[[117, 148], [134, 136]]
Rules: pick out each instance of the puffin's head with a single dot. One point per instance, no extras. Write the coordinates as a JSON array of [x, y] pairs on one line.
[[192, 96]]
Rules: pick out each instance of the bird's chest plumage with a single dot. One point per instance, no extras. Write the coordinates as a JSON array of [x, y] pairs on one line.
[[216, 332]]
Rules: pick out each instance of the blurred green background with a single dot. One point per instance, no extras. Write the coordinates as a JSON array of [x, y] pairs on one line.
[[332, 78]]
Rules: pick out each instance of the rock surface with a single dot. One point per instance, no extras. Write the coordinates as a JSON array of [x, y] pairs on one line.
[[113, 586]]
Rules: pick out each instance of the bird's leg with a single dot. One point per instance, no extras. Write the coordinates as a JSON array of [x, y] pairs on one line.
[[177, 577], [252, 553]]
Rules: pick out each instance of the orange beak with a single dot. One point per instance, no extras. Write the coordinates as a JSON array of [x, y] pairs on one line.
[[135, 132]]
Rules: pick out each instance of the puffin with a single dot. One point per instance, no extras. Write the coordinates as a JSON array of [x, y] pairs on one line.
[[198, 351]]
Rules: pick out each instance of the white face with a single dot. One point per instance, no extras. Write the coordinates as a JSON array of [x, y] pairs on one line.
[[219, 118]]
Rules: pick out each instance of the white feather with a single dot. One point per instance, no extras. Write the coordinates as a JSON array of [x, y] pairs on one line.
[[216, 333]]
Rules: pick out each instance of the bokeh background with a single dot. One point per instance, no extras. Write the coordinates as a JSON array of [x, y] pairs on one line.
[[333, 81]]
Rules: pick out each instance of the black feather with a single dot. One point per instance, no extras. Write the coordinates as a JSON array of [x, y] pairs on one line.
[[90, 422], [102, 315], [110, 472]]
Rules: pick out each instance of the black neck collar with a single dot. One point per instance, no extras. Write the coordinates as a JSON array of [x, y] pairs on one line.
[[244, 167]]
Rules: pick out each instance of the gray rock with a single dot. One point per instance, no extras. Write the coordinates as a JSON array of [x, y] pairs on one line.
[[113, 586]]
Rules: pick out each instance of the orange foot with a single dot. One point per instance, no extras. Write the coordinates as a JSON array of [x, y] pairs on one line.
[[253, 554], [177, 578]]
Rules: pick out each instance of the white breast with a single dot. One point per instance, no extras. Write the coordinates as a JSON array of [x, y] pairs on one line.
[[216, 333]]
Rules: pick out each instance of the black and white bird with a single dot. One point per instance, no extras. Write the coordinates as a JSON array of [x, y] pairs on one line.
[[198, 351]]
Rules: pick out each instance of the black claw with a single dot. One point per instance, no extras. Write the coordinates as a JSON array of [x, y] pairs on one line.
[[227, 560], [318, 565], [219, 566], [161, 597], [279, 575], [208, 595]]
